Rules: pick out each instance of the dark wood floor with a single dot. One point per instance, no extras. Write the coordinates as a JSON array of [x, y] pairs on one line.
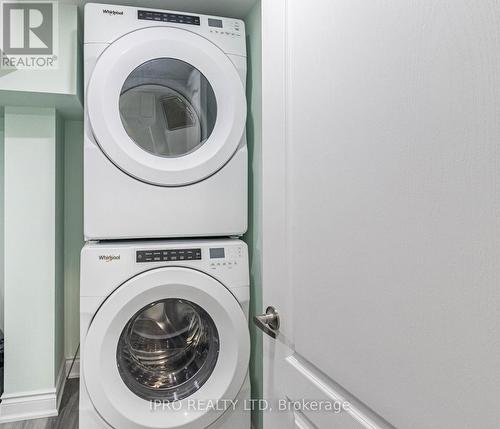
[[68, 412]]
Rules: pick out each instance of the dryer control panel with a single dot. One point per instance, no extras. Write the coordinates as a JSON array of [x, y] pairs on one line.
[[150, 15], [221, 26], [105, 24]]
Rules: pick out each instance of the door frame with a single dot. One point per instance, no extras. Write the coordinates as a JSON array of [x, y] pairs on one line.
[[275, 241]]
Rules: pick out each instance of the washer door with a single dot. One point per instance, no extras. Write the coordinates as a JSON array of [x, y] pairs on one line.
[[166, 106], [161, 346]]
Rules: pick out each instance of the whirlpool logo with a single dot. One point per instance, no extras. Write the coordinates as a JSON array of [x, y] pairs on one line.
[[109, 258], [112, 12]]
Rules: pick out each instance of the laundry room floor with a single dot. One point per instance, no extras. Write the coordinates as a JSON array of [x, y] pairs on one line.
[[68, 413]]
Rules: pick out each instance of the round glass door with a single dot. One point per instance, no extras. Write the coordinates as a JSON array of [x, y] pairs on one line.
[[168, 107], [168, 350], [167, 335]]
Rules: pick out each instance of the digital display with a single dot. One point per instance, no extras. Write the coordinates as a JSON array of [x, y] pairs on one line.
[[217, 253], [215, 22]]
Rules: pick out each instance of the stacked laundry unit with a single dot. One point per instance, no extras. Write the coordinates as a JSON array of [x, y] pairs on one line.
[[164, 287]]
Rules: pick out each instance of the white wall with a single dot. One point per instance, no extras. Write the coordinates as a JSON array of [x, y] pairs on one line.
[[33, 289]]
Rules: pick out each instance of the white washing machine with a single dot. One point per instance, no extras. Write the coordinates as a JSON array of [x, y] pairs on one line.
[[164, 335], [165, 148]]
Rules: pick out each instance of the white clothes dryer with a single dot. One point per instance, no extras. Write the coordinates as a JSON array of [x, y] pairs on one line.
[[165, 151], [164, 335]]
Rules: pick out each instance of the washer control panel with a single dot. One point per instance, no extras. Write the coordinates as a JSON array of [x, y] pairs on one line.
[[150, 15], [169, 255], [225, 257], [217, 258]]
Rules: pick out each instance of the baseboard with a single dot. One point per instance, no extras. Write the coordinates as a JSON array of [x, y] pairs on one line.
[[35, 404], [75, 371], [28, 405]]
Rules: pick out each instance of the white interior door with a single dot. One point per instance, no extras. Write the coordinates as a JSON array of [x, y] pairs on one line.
[[381, 211]]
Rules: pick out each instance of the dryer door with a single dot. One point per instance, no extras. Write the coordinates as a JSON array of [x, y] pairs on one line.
[[166, 106], [161, 346]]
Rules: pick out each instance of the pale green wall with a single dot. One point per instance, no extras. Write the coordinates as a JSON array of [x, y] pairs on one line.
[[73, 230], [33, 287], [253, 237], [68, 236]]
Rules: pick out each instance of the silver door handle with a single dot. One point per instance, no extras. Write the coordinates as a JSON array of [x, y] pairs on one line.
[[268, 322]]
